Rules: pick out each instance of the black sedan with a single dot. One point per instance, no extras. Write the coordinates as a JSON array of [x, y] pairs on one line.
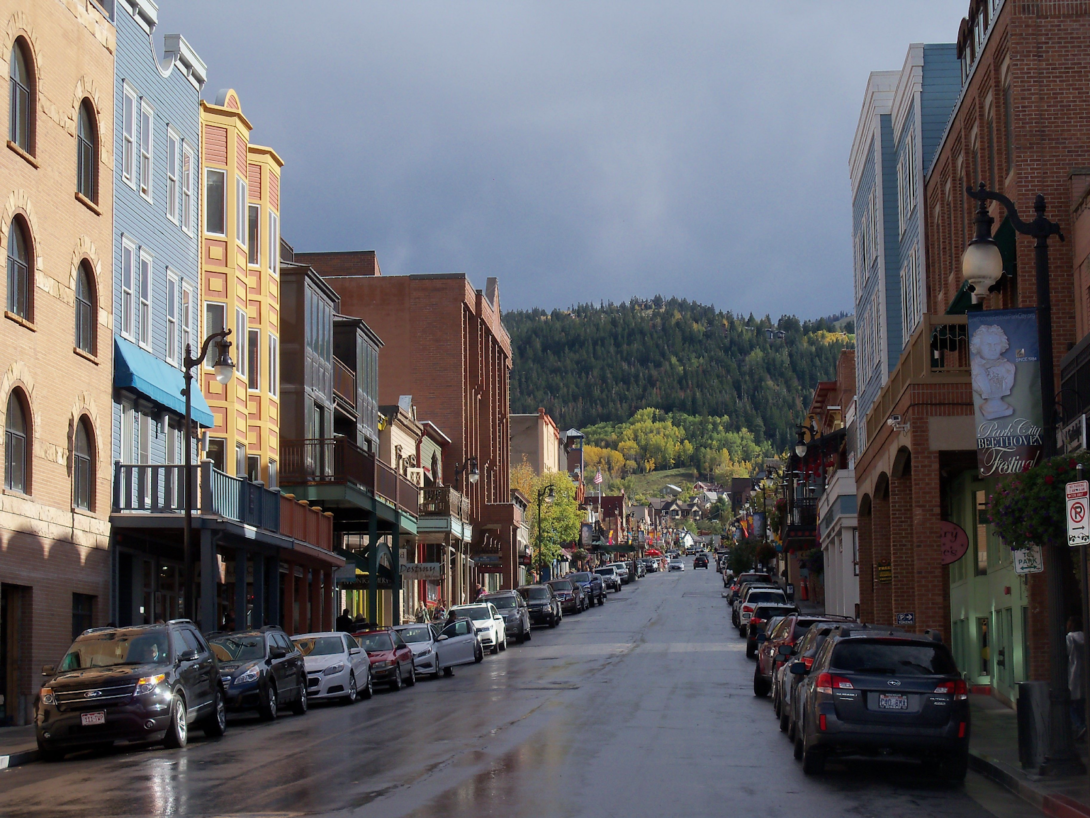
[[543, 604], [261, 670]]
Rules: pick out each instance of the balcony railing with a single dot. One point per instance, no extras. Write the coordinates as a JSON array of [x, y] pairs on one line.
[[802, 511], [444, 501], [338, 460], [344, 385], [302, 522], [938, 352]]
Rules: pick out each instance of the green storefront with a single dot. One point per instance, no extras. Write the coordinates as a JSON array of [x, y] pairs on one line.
[[988, 601]]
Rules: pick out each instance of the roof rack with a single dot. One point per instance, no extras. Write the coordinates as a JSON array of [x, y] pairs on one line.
[[180, 622]]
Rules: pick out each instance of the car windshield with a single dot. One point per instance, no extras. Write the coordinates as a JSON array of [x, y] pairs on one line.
[[535, 593], [893, 658], [765, 612], [416, 633], [503, 603], [239, 648], [757, 597], [474, 612], [320, 645], [603, 571], [117, 647], [374, 642], [561, 585], [582, 576]]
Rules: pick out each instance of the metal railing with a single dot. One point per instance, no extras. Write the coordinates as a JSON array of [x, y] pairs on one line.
[[344, 385], [802, 511], [444, 501], [338, 460]]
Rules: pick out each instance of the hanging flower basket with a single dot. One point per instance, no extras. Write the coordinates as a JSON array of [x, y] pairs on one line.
[[1031, 508]]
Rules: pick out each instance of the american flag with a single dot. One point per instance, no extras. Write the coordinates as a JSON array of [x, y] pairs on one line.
[[598, 477]]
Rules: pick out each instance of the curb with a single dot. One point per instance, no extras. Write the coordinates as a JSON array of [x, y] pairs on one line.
[[17, 759], [1055, 806]]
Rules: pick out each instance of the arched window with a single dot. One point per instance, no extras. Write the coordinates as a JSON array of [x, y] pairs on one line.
[[85, 311], [18, 270], [86, 144], [15, 448], [82, 473], [22, 109]]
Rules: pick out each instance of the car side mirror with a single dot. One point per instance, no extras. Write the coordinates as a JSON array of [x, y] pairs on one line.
[[799, 669], [762, 638], [355, 651], [442, 638], [498, 618], [786, 650], [49, 670], [187, 655], [277, 653]]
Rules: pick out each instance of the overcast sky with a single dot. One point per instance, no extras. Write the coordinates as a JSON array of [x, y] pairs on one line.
[[580, 151]]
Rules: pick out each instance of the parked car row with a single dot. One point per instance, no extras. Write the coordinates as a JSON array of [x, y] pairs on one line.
[[844, 689]]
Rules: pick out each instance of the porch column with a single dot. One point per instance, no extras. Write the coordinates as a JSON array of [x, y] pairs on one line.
[[328, 619], [901, 549], [209, 576], [316, 605], [240, 589], [259, 616], [932, 577], [883, 591], [289, 600], [272, 590], [396, 600], [866, 566], [448, 573], [372, 569]]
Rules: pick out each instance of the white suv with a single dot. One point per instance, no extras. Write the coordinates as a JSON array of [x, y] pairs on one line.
[[488, 621], [758, 595]]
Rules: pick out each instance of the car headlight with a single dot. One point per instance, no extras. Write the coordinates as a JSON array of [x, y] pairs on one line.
[[383, 665], [333, 669], [47, 696], [148, 683], [250, 675], [426, 652]]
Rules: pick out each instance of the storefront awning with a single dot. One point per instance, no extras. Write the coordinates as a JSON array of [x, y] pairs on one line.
[[157, 381]]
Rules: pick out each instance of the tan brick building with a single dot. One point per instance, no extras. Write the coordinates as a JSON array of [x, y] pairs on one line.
[[55, 336]]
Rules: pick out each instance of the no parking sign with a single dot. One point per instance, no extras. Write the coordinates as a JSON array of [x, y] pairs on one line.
[[1078, 513]]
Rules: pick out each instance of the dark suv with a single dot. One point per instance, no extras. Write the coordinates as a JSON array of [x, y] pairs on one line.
[[592, 586], [543, 604], [261, 670], [143, 683], [877, 691], [516, 616], [571, 595], [700, 561]]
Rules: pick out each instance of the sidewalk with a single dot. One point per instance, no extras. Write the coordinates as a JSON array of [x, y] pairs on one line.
[[17, 746], [993, 752]]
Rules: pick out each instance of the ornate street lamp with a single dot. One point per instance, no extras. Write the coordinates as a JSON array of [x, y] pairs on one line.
[[470, 465], [544, 494]]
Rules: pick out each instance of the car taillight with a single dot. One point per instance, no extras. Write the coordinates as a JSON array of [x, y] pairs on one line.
[[827, 682], [959, 689], [755, 621], [747, 609], [808, 661]]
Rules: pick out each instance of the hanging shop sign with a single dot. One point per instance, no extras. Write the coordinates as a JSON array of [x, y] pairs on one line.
[[955, 542], [1006, 376], [1028, 560], [885, 572], [422, 570]]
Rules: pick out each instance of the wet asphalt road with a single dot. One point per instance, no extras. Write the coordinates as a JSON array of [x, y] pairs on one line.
[[643, 707]]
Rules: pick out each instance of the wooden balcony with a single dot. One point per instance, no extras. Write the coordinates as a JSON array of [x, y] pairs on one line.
[[937, 353], [444, 501]]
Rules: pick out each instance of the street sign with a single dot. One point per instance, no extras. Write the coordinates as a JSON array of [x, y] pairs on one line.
[[908, 618], [1078, 518], [1028, 560]]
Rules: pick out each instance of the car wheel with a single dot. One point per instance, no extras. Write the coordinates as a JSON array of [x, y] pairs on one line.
[[553, 621], [478, 653], [178, 731], [397, 682], [299, 706], [760, 685], [353, 691], [369, 688], [785, 720], [813, 760], [798, 742], [411, 681], [271, 703], [216, 725], [503, 644], [48, 753], [751, 649], [529, 632], [956, 765], [448, 671]]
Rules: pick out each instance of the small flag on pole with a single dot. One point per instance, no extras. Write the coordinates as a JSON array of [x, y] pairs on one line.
[[598, 477]]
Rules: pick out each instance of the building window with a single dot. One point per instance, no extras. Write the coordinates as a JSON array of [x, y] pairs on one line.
[[128, 252], [172, 176], [143, 439], [273, 476], [128, 432], [253, 362], [15, 445], [187, 189], [215, 202], [240, 459], [215, 320], [82, 473], [172, 318], [187, 319], [240, 210], [19, 283], [274, 366], [86, 152], [145, 150], [128, 127], [20, 129], [85, 311], [981, 533], [990, 125], [145, 299], [216, 452], [253, 468], [241, 338], [82, 609], [254, 234], [1008, 112], [274, 243]]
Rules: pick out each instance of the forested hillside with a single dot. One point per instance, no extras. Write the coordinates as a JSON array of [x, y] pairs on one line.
[[602, 364]]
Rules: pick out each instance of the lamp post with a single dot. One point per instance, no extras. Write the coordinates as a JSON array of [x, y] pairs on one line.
[[470, 465], [982, 267], [225, 370], [544, 494]]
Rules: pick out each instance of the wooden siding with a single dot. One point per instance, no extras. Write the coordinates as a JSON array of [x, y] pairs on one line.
[[215, 145], [254, 191], [274, 192], [240, 154]]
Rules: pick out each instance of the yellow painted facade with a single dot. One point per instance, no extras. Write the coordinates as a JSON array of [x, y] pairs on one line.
[[240, 217]]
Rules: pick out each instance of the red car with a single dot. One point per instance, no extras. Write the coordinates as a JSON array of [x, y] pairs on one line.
[[391, 658], [786, 632]]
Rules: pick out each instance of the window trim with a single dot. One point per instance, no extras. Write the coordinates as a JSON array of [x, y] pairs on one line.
[[19, 223], [186, 323], [91, 308], [172, 174], [145, 323], [85, 106], [31, 91], [83, 424], [274, 242], [128, 138], [172, 318], [27, 437], [209, 362], [187, 189], [146, 187], [253, 347], [253, 246], [240, 210], [128, 314], [242, 340], [274, 366], [207, 211]]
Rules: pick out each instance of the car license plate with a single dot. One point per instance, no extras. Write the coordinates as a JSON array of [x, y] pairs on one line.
[[91, 719], [892, 701]]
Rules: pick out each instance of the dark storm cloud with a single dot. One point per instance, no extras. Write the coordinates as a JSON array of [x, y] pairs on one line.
[[579, 151]]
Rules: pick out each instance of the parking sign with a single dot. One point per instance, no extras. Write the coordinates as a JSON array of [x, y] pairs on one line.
[[1078, 524]]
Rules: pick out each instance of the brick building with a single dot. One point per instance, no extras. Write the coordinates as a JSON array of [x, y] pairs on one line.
[[56, 356], [536, 439], [445, 345], [1020, 126]]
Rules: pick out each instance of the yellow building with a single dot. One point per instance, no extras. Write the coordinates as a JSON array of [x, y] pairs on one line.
[[240, 242]]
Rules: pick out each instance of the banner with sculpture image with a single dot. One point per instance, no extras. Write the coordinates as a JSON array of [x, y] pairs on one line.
[[1006, 376]]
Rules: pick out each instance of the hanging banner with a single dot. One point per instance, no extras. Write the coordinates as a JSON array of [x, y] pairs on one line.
[[1006, 376], [759, 525]]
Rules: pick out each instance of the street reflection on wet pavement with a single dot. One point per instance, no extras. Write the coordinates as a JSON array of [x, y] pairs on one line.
[[640, 707]]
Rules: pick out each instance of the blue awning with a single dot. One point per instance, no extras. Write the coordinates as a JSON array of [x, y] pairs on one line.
[[158, 381]]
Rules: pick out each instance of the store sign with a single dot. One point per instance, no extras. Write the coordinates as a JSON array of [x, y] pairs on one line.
[[1078, 512], [955, 542], [885, 572], [1028, 560], [1006, 377], [1072, 437], [422, 570]]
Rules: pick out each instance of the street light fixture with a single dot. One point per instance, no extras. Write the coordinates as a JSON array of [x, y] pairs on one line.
[[544, 494], [224, 369], [980, 259], [470, 466], [982, 263]]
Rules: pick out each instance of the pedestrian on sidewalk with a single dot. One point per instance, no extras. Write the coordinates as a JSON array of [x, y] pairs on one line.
[[344, 622], [1075, 677]]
